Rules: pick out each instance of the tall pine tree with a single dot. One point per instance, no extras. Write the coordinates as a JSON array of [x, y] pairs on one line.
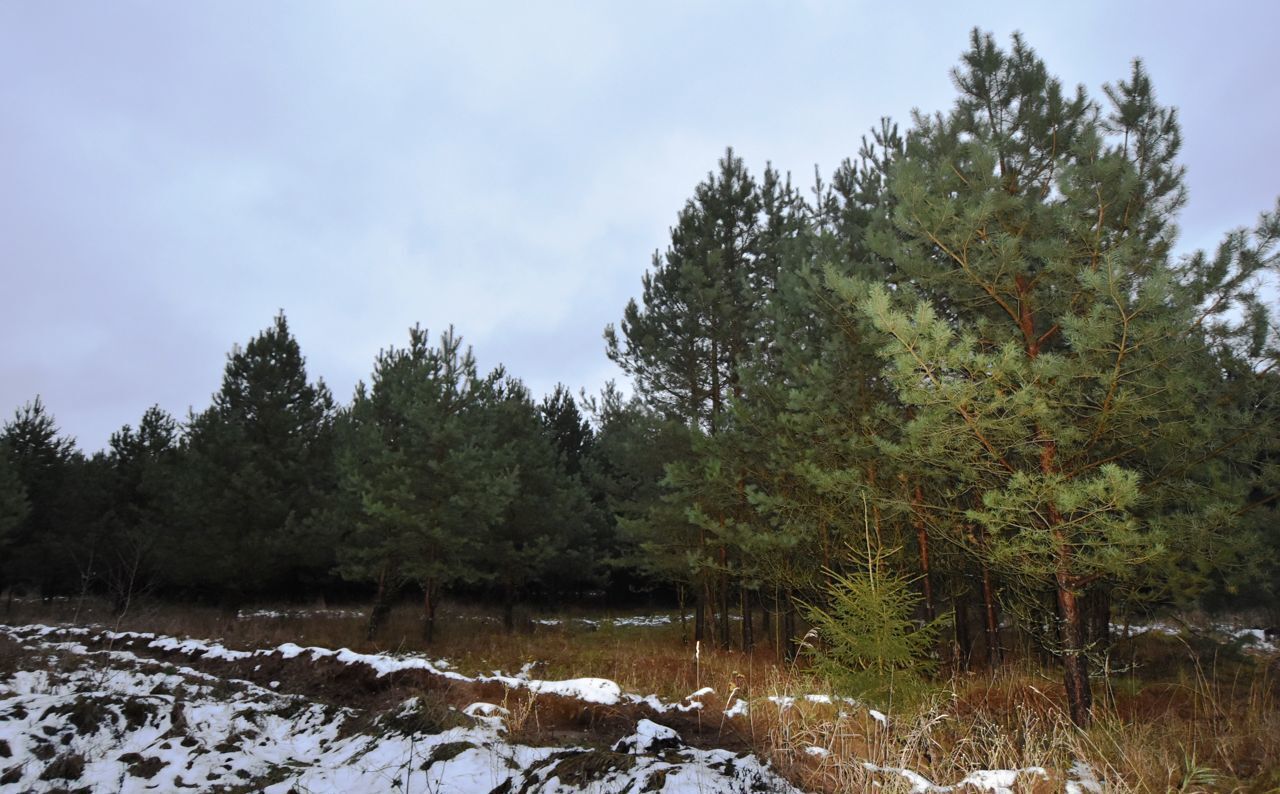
[[40, 543], [1047, 342], [258, 462]]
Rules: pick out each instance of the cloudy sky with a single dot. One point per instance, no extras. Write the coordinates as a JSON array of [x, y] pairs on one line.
[[172, 174]]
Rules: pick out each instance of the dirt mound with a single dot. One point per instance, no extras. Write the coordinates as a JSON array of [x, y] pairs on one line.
[[536, 716]]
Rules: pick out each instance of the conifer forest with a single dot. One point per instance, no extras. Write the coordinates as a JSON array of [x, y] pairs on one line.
[[954, 409]]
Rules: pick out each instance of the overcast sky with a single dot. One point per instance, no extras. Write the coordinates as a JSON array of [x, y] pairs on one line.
[[172, 174]]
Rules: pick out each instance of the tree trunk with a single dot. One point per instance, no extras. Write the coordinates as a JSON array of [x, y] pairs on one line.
[[748, 639], [509, 606], [699, 613], [963, 635], [779, 626], [684, 622], [429, 599], [826, 545], [1074, 664], [1075, 669], [991, 613], [1098, 621], [381, 604], [724, 598], [922, 541], [990, 602], [792, 647]]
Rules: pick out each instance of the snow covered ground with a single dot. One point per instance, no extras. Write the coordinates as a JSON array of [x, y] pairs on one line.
[[1253, 639], [636, 621], [115, 720], [87, 709], [275, 614]]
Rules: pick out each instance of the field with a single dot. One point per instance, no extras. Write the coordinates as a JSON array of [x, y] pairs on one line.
[[267, 699]]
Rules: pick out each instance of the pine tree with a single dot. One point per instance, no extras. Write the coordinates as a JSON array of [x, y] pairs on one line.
[[144, 467], [41, 459], [650, 540], [258, 462], [1227, 549], [13, 508], [1052, 351], [871, 644], [87, 521], [544, 535], [569, 429], [424, 476], [684, 347], [701, 322]]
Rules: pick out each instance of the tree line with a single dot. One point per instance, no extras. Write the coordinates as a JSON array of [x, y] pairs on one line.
[[967, 369], [435, 477]]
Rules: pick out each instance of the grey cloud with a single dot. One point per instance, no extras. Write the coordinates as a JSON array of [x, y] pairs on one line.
[[174, 174]]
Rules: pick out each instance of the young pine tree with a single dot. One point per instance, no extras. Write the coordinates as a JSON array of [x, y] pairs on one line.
[[423, 476]]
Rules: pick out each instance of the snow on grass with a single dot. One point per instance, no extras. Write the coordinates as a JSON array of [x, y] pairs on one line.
[[996, 781], [120, 722], [1251, 638], [999, 781], [1082, 780], [600, 691], [589, 690], [279, 614], [1255, 639], [650, 737], [637, 621]]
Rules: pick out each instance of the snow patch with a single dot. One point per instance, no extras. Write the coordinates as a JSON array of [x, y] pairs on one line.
[[650, 737], [1082, 780], [996, 781]]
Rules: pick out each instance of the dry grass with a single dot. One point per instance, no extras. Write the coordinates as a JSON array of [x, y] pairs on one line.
[[1183, 717], [1217, 732]]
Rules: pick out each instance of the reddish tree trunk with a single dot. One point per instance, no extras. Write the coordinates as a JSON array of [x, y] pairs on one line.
[[1075, 668]]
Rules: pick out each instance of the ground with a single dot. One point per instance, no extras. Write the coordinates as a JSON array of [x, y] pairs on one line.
[[89, 707]]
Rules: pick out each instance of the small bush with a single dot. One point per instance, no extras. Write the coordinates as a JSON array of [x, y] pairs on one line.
[[870, 646]]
